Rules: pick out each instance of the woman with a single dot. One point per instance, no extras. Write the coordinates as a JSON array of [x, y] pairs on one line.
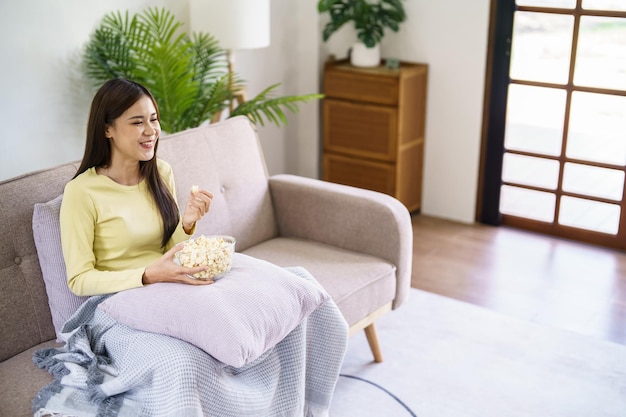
[[120, 222], [119, 228]]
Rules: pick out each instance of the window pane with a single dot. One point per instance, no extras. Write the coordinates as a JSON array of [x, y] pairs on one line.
[[593, 181], [601, 53], [530, 204], [597, 128], [541, 47], [529, 170], [604, 4], [534, 119], [568, 4], [589, 215]]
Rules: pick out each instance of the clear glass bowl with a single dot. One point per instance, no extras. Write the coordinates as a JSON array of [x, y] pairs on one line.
[[215, 252]]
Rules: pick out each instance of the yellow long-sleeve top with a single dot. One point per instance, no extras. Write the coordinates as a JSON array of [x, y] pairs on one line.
[[111, 232]]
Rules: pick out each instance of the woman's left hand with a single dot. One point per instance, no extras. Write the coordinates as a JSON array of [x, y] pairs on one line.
[[198, 205]]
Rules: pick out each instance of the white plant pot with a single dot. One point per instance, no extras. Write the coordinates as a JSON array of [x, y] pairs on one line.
[[362, 56]]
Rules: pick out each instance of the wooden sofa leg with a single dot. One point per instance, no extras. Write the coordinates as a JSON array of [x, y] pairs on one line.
[[372, 339]]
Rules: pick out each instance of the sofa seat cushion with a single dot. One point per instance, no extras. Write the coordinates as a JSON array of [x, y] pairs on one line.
[[20, 380], [358, 283]]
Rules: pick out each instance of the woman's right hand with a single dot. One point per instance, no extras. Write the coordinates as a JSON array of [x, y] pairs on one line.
[[165, 269]]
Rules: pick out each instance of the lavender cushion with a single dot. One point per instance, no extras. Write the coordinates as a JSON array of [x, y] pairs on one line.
[[235, 320], [47, 235]]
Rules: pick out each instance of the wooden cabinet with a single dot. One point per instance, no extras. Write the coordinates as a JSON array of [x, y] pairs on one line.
[[374, 122]]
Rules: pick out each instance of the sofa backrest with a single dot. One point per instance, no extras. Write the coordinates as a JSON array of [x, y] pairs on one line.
[[224, 158], [227, 160], [25, 319]]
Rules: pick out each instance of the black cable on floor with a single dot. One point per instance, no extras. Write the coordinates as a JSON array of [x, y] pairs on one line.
[[406, 407]]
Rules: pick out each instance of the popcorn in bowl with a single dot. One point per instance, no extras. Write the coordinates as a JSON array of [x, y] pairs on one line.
[[214, 252]]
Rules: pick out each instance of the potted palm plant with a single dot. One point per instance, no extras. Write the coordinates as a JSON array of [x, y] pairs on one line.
[[187, 74], [370, 18]]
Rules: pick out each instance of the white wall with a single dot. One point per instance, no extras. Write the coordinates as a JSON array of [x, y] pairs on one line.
[[452, 39], [44, 98], [291, 60]]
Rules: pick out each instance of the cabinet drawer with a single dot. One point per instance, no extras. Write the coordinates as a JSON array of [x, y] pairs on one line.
[[360, 129], [360, 173], [361, 87]]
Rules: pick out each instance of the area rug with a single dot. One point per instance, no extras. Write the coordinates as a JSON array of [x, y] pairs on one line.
[[447, 358]]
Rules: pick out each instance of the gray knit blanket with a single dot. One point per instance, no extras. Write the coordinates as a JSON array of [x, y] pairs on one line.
[[109, 369]]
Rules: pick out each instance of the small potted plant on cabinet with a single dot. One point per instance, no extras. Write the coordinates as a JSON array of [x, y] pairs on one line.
[[370, 18]]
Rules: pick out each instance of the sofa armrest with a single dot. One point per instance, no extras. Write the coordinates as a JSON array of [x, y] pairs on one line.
[[347, 217]]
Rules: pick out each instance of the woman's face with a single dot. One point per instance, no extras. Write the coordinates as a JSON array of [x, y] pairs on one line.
[[133, 135]]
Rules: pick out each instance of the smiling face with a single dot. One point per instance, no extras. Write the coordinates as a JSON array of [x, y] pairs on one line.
[[133, 135]]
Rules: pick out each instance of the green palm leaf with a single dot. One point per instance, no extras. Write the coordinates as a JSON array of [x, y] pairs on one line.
[[188, 75], [264, 105]]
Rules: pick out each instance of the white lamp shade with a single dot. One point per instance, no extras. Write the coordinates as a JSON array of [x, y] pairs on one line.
[[236, 24]]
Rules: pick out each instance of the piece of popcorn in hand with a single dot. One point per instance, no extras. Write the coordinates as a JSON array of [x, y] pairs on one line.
[[194, 189]]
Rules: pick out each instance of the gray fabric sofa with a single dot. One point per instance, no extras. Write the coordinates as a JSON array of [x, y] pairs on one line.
[[357, 243]]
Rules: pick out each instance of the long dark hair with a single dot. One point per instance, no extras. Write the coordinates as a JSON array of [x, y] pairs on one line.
[[110, 102]]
